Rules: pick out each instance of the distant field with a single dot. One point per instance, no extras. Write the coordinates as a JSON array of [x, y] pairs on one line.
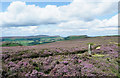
[[63, 58], [28, 41], [35, 40]]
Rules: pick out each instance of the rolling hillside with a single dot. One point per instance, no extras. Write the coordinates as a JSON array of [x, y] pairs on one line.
[[63, 58]]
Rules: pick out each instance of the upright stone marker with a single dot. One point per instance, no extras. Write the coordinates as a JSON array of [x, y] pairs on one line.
[[89, 49]]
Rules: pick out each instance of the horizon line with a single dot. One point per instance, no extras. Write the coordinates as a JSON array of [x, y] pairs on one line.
[[62, 36]]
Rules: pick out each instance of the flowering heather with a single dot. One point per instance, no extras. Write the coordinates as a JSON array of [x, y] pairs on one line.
[[65, 62], [62, 58]]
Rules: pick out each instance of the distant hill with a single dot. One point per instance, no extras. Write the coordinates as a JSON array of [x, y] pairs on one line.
[[40, 39], [30, 36], [29, 40], [72, 37], [109, 36]]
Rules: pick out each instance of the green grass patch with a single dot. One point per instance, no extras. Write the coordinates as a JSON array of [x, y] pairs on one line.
[[90, 43], [98, 55]]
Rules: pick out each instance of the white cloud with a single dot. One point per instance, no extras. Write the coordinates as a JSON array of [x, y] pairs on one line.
[[78, 17], [94, 24], [113, 21], [85, 10], [73, 24], [17, 31], [20, 14]]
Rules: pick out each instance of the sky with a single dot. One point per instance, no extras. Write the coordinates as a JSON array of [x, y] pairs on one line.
[[77, 17]]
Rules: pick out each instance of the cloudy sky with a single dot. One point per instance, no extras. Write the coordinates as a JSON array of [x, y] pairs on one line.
[[77, 17]]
